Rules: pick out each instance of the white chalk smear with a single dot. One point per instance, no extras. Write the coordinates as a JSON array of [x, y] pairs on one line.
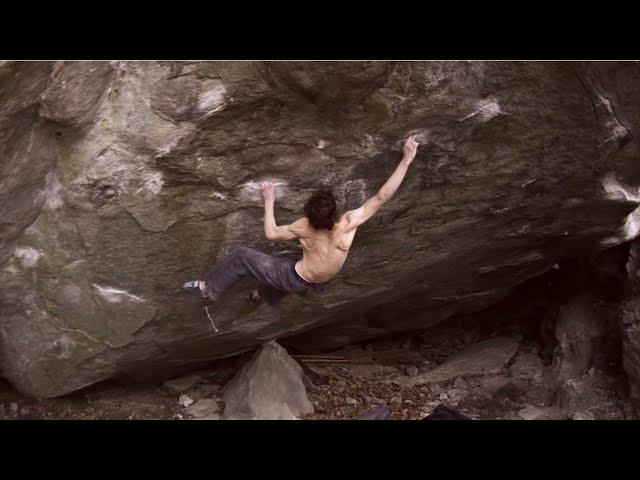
[[28, 256], [257, 185], [422, 136], [213, 99], [616, 128], [615, 190], [51, 193], [73, 264], [486, 111], [606, 102], [152, 182], [253, 190], [115, 295], [332, 305], [499, 210], [218, 195]]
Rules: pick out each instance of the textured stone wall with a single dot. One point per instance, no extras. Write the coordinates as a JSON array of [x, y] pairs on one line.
[[121, 180]]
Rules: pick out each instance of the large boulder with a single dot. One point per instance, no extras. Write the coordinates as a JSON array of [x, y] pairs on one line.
[[121, 180], [268, 387]]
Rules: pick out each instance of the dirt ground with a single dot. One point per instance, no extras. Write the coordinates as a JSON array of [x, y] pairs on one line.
[[367, 376]]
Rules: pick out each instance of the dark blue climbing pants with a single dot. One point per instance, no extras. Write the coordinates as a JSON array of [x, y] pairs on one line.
[[277, 276]]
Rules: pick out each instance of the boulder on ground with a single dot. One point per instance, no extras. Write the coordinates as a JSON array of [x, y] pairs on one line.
[[268, 387]]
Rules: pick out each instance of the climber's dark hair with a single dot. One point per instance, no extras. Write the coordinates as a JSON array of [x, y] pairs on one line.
[[321, 209]]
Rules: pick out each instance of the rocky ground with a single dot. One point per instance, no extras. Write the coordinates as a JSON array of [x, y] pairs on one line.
[[490, 373], [515, 383]]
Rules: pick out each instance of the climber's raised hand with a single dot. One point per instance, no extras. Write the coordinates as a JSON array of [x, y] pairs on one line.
[[268, 191], [409, 149]]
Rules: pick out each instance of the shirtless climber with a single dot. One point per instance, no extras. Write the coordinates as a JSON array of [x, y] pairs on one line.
[[325, 237]]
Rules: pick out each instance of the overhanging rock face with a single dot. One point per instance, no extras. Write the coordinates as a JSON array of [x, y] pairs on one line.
[[121, 180]]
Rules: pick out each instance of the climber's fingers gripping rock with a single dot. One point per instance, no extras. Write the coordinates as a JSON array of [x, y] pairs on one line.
[[409, 149], [268, 191]]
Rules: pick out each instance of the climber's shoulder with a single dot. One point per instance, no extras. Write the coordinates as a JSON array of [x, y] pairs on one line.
[[300, 227]]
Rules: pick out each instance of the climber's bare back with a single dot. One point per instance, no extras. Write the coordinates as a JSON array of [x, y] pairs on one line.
[[324, 250]]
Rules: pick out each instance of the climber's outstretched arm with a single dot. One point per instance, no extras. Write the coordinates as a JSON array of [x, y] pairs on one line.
[[273, 231], [357, 217]]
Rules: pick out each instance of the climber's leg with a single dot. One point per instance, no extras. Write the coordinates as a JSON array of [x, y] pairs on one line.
[[272, 296], [244, 261], [277, 276]]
